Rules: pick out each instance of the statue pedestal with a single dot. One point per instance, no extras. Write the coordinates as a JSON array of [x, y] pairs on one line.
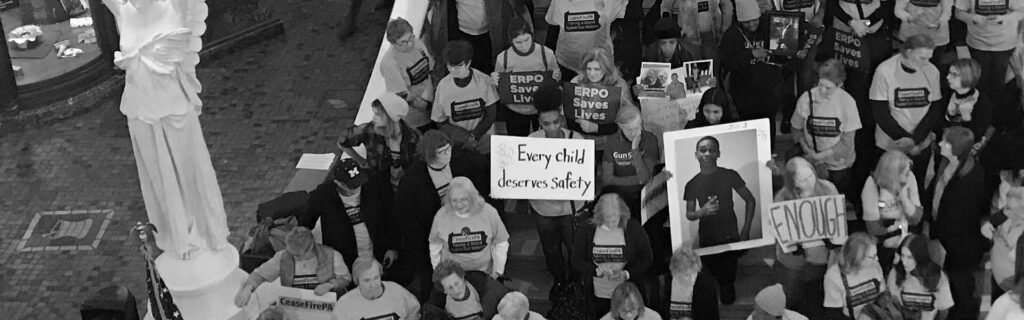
[[204, 286]]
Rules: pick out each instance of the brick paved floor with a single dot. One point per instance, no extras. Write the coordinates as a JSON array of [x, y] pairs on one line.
[[265, 106]]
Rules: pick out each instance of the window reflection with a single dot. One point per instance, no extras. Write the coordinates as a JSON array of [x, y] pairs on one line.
[[48, 38]]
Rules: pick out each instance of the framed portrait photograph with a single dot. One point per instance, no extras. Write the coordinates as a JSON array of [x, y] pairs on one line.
[[784, 32], [720, 187]]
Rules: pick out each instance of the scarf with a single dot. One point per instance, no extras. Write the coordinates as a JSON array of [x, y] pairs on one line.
[[961, 106]]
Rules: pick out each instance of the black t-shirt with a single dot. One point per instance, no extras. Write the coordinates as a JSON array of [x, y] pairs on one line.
[[722, 227], [618, 152]]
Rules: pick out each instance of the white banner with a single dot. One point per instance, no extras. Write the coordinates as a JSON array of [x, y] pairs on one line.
[[541, 168], [809, 219], [294, 303]]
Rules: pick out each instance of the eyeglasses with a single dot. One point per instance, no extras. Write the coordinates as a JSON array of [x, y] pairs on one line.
[[406, 41]]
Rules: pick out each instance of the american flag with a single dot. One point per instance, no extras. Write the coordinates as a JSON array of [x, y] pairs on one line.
[[161, 304]]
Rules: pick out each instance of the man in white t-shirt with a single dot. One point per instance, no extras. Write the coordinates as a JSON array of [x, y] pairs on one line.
[[375, 299]]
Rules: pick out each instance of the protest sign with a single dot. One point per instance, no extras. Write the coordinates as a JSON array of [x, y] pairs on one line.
[[847, 47], [662, 115], [809, 219], [541, 168], [519, 87], [654, 78], [592, 102], [736, 183], [294, 303]]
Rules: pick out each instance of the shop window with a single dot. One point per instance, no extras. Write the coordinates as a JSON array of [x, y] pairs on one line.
[[48, 38]]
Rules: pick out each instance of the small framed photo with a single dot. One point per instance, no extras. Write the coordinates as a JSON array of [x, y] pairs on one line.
[[784, 32]]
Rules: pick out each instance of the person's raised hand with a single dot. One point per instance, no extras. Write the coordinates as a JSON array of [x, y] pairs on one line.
[[988, 230], [587, 126], [323, 288], [390, 257]]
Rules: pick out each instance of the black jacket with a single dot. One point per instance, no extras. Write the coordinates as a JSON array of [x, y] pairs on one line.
[[325, 204], [747, 74], [957, 221], [417, 201], [639, 256]]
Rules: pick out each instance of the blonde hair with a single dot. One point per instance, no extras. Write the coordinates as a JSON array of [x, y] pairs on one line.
[[684, 260], [890, 169], [476, 201], [611, 73], [516, 303], [391, 129], [609, 201], [853, 252]]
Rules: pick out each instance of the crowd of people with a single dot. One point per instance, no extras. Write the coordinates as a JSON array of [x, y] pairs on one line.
[[923, 140]]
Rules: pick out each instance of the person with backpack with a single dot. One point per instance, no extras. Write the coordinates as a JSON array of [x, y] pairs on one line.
[[856, 280], [524, 55], [694, 294]]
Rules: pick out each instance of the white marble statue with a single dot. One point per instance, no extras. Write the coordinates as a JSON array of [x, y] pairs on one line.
[[159, 52]]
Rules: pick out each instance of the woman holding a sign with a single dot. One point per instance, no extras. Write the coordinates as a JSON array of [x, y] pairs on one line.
[[610, 250], [518, 72], [918, 283], [856, 281], [891, 203], [804, 263], [596, 97]]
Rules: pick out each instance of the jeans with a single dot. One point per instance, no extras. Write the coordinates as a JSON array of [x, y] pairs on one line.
[[553, 232]]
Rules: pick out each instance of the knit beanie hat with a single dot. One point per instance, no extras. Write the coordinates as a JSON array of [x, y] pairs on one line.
[[667, 28], [747, 10], [395, 106], [772, 300]]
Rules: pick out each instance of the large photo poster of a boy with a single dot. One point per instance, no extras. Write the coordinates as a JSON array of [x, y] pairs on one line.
[[720, 186]]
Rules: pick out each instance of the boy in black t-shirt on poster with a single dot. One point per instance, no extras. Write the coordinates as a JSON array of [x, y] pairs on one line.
[[712, 189]]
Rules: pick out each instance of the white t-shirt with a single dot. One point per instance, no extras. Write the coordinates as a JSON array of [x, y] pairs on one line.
[[540, 58], [928, 12], [786, 315], [881, 204], [1007, 307], [467, 309], [909, 95], [472, 16], [681, 302], [609, 251], [364, 245], [913, 295], [833, 116], [466, 106], [991, 36], [470, 241], [585, 24], [648, 315], [395, 303], [861, 288], [305, 270], [409, 72]]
